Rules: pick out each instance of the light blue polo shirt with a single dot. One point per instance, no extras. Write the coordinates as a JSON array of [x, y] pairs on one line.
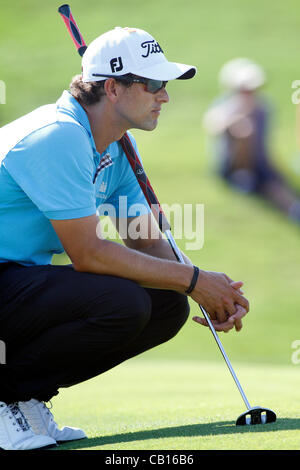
[[50, 169]]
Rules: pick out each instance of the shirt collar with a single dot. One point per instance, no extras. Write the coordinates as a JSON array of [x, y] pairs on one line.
[[70, 105]]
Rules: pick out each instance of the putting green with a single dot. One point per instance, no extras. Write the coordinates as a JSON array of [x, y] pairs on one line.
[[182, 405]]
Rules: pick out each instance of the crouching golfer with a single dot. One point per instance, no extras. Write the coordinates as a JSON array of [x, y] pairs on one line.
[[65, 324]]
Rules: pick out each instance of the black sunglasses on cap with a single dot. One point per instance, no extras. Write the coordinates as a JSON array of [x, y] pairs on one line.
[[152, 86]]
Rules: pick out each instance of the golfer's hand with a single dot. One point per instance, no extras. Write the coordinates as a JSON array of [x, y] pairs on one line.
[[232, 321], [221, 296]]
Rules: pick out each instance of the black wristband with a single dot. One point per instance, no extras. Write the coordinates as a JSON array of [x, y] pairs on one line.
[[193, 281]]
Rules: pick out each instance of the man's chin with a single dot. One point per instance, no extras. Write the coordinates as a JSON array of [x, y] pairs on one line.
[[146, 126], [150, 126]]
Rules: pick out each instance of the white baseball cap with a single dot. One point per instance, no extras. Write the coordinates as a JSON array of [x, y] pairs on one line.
[[241, 73], [130, 50]]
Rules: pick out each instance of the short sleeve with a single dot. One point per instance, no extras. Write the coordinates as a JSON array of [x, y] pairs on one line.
[[54, 167]]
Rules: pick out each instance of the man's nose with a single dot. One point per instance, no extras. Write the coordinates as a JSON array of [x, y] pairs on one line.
[[162, 95]]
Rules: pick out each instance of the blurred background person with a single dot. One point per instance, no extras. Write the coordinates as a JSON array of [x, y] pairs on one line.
[[239, 119]]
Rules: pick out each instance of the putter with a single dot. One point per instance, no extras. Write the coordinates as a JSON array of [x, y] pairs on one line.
[[253, 415]]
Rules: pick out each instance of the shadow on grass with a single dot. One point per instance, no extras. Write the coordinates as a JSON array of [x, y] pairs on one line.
[[191, 430]]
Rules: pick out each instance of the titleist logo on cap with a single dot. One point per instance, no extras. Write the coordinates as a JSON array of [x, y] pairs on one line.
[[152, 47]]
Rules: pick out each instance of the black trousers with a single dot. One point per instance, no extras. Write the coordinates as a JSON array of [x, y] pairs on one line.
[[61, 327]]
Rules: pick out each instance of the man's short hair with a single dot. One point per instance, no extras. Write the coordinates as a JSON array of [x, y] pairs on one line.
[[86, 93]]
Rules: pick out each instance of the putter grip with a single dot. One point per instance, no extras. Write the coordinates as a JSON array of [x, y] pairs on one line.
[[65, 12]]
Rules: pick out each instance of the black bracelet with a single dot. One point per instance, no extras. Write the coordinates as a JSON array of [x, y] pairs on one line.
[[193, 281]]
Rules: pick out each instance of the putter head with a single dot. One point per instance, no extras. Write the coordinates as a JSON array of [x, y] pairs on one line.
[[256, 415]]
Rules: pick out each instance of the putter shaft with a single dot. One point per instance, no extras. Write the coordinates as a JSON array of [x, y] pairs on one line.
[[211, 327], [179, 257]]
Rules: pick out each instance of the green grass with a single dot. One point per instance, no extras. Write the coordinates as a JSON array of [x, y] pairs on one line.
[[185, 405], [174, 404]]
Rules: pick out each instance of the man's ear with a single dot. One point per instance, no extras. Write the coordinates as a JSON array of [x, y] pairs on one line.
[[112, 89]]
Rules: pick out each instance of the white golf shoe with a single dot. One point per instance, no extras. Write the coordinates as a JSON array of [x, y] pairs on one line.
[[42, 422], [16, 433]]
